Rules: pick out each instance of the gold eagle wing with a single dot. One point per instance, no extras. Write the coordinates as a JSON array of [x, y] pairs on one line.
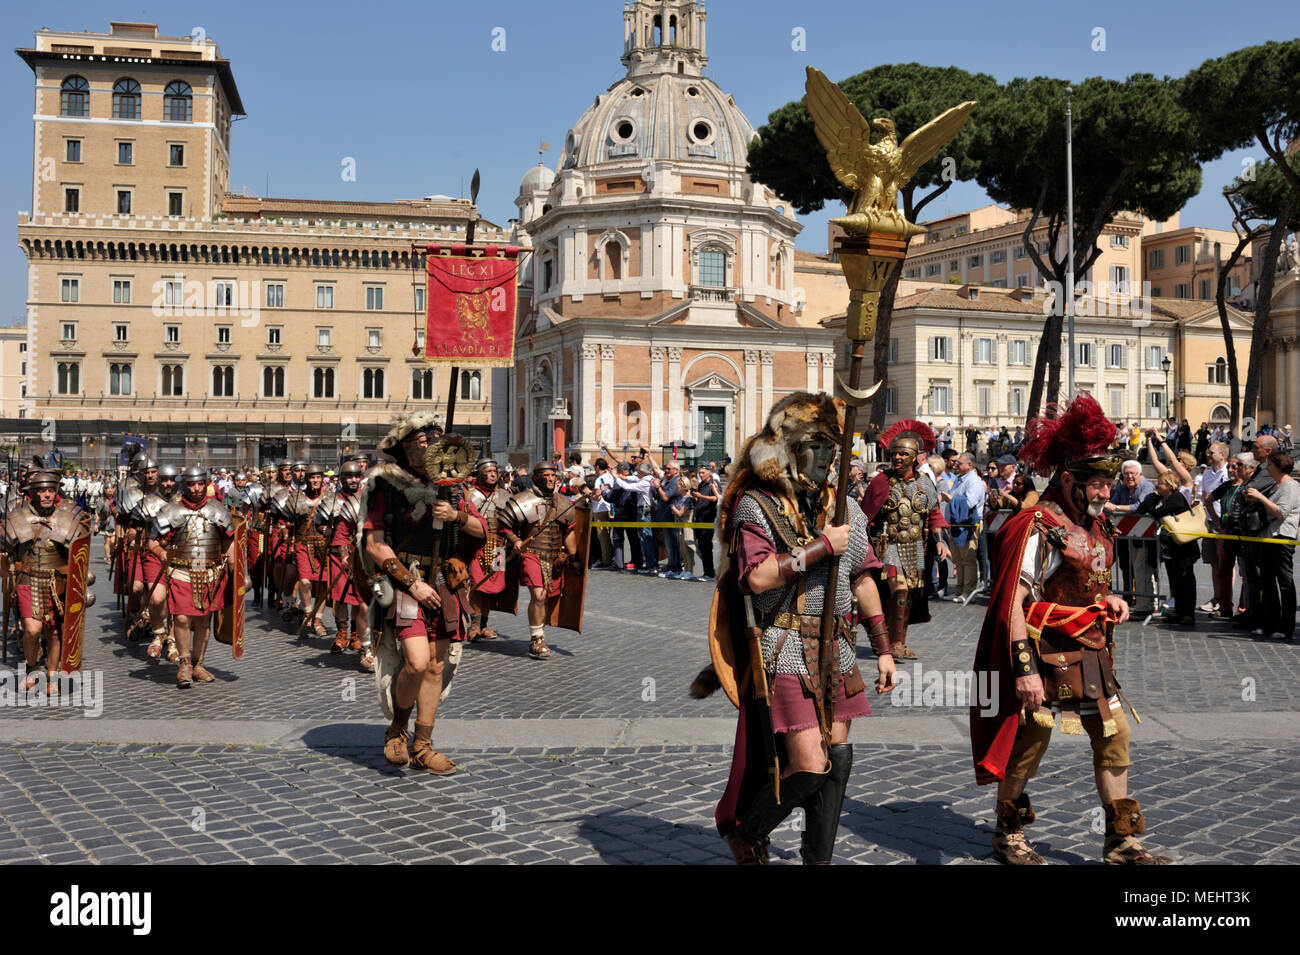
[[843, 131], [917, 149]]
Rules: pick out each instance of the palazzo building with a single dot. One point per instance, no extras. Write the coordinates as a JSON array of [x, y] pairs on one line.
[[229, 329], [658, 305]]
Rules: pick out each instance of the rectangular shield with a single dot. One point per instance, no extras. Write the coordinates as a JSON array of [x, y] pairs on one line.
[[566, 612], [74, 603], [231, 627]]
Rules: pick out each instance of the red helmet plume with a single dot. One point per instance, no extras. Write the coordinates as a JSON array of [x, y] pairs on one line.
[[1082, 432], [908, 426]]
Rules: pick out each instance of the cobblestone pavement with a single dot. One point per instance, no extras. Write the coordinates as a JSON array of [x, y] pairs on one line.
[[278, 761]]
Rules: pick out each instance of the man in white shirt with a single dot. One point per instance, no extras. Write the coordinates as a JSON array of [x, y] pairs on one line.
[[1212, 553], [601, 511], [966, 509]]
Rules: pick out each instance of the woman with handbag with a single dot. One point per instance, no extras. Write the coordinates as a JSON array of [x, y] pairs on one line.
[[1179, 559], [1222, 511], [1282, 505]]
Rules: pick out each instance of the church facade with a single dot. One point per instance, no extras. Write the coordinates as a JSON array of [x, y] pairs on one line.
[[658, 306]]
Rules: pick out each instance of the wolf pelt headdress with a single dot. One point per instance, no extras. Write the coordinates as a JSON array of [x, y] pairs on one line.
[[768, 458]]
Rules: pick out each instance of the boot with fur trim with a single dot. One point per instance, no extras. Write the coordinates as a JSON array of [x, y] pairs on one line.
[[1009, 843], [1124, 822]]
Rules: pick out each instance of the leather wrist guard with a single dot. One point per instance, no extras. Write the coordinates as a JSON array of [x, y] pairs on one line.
[[801, 559], [1024, 662], [879, 638], [394, 569]]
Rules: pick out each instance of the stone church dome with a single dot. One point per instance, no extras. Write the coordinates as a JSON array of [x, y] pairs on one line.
[[538, 177], [665, 108]]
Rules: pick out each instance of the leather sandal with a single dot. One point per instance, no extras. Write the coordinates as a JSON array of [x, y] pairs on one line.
[[425, 757], [900, 651], [201, 674], [173, 653], [354, 644], [318, 628], [185, 675], [340, 642], [395, 750], [538, 650], [368, 659], [154, 650]]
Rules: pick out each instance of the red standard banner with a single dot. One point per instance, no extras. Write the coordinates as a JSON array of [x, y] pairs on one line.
[[471, 306]]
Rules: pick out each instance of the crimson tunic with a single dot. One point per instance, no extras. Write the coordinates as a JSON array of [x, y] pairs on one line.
[[433, 625]]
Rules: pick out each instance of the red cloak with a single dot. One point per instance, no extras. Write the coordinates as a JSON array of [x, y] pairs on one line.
[[993, 732]]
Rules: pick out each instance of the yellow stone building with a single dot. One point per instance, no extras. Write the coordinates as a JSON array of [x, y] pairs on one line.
[[231, 329]]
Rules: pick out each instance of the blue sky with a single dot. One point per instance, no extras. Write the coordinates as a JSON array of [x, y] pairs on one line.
[[419, 98]]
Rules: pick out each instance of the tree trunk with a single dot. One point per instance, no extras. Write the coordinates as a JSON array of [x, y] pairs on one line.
[[1220, 299], [1263, 305]]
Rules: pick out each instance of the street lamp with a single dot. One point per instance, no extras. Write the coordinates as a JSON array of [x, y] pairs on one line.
[[1165, 363]]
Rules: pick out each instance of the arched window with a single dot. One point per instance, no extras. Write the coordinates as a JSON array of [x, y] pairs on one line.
[[471, 385], [613, 260], [223, 381], [323, 383], [1217, 374], [126, 99], [74, 97], [372, 383], [422, 384], [178, 102], [119, 379], [713, 268], [69, 377], [173, 380], [273, 381]]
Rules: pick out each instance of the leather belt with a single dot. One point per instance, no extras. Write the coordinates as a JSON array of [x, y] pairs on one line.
[[425, 561], [794, 621]]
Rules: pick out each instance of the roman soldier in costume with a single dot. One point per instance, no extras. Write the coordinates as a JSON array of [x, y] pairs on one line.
[[259, 536], [778, 539], [540, 524], [487, 566], [415, 520], [310, 548], [339, 518], [138, 504], [902, 504], [282, 553], [193, 537], [38, 536], [168, 475], [1047, 639]]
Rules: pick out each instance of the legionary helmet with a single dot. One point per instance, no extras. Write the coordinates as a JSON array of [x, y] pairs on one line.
[[142, 462], [43, 479], [351, 469], [194, 473], [315, 468], [542, 466], [909, 436], [168, 472]]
